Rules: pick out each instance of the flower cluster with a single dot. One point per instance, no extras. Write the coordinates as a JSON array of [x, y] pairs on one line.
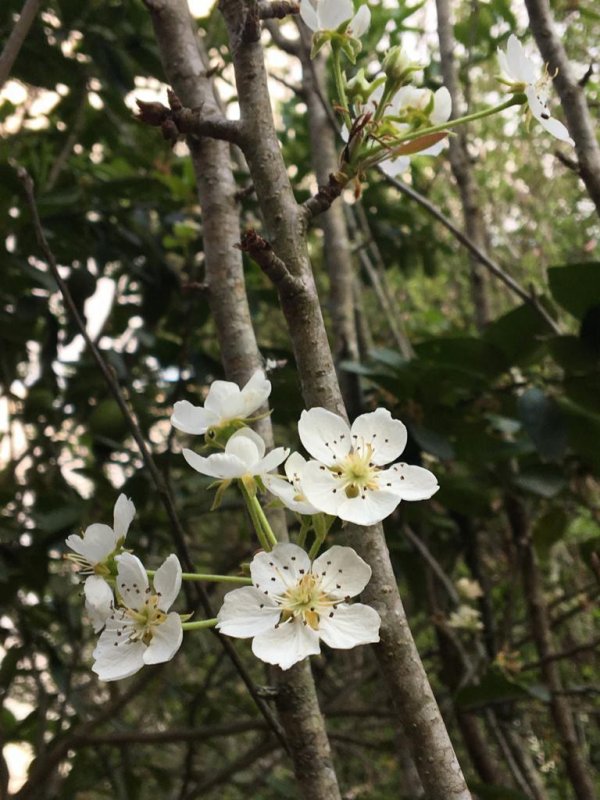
[[294, 599], [387, 118], [137, 628]]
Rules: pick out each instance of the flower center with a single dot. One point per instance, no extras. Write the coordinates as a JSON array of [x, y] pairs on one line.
[[146, 619], [358, 472], [306, 600]]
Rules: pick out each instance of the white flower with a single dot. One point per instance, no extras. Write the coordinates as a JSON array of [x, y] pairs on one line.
[[225, 403], [244, 457], [523, 76], [410, 100], [93, 551], [469, 589], [466, 618], [347, 479], [290, 491], [293, 604], [328, 15], [140, 631]]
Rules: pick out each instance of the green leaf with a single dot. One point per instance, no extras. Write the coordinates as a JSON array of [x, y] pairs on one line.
[[432, 442], [575, 287], [495, 687], [544, 481], [518, 334], [544, 422]]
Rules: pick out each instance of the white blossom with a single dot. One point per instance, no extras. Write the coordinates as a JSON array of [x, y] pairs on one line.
[[433, 107], [294, 604], [328, 15], [466, 618], [140, 631], [522, 75], [469, 589], [289, 490], [244, 457], [347, 478], [93, 551], [225, 403]]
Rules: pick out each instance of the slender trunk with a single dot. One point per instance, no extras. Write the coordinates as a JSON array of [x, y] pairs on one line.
[[571, 93], [290, 268], [186, 68], [461, 168], [576, 765], [17, 37]]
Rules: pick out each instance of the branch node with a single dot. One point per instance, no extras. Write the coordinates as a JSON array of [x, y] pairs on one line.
[[261, 251]]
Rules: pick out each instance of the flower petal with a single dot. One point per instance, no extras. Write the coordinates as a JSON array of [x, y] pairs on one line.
[[309, 15], [332, 13], [386, 436], [342, 571], [272, 460], [132, 580], [288, 494], [369, 507], [117, 657], [409, 482], [325, 435], [360, 22], [166, 640], [282, 568], [99, 601], [219, 394], [255, 393], [123, 514], [217, 465], [540, 111], [192, 419], [287, 644], [246, 445], [442, 106], [557, 129], [396, 166], [348, 626], [517, 61], [97, 542], [167, 582], [247, 612], [322, 488]]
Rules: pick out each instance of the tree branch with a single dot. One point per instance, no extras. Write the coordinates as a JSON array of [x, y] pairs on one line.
[[277, 9], [17, 37]]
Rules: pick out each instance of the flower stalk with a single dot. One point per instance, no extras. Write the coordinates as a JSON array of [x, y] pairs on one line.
[[200, 624]]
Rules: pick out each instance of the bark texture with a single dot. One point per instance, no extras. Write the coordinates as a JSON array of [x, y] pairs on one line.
[[337, 250], [572, 95], [578, 769], [186, 65], [285, 222], [461, 167]]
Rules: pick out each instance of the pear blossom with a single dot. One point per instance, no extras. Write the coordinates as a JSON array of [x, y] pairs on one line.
[[347, 478], [92, 554], [328, 15], [469, 589], [244, 458], [289, 490], [294, 604], [140, 630], [434, 107], [466, 618], [523, 76], [225, 405]]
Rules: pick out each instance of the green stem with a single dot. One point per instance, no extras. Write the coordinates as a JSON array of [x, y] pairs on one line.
[[203, 576], [197, 626], [515, 100], [251, 505], [339, 85], [316, 546], [266, 525]]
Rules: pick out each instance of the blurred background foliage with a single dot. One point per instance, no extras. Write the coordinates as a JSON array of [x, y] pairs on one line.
[[510, 415]]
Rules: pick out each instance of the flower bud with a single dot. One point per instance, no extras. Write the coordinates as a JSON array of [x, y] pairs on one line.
[[398, 67]]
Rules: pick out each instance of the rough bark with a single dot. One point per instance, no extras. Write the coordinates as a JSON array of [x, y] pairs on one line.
[[577, 767], [337, 250], [461, 168], [186, 65], [17, 37], [572, 95], [285, 222]]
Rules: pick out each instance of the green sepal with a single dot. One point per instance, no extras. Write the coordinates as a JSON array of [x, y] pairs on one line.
[[186, 617], [222, 486]]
